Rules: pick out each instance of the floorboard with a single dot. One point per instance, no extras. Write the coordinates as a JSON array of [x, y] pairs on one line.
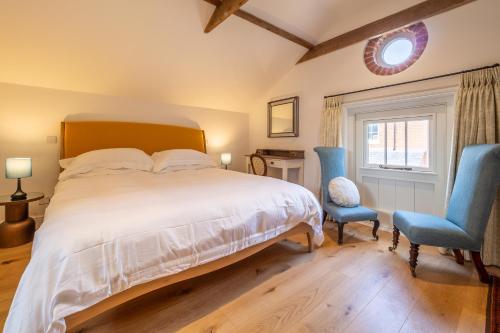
[[357, 287]]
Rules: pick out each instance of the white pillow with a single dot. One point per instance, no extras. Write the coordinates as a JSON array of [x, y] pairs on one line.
[[181, 157], [65, 163], [343, 192], [96, 172], [113, 159]]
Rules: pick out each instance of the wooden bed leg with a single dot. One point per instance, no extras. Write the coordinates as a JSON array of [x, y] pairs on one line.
[[481, 271], [310, 246], [459, 258]]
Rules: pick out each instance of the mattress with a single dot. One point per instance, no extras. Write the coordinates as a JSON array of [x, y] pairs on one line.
[[106, 233]]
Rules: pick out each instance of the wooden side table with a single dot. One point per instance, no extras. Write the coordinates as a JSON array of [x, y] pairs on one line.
[[18, 228], [284, 164]]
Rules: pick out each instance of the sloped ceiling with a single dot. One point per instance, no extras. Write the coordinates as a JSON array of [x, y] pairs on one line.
[[156, 49], [319, 20], [463, 38]]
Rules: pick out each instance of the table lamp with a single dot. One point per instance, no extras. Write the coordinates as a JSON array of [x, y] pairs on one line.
[[225, 159], [17, 168]]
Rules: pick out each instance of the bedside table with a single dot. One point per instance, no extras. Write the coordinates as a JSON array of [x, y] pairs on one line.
[[18, 227]]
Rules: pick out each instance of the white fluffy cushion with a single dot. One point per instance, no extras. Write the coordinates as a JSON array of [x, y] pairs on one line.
[[343, 192], [106, 159], [180, 159]]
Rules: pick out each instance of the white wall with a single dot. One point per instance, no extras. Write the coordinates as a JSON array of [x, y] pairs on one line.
[[29, 114], [460, 39]]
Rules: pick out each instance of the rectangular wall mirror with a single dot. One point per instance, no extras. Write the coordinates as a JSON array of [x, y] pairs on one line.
[[283, 118]]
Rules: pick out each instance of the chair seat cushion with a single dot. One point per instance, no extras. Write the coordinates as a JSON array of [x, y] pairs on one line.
[[350, 214], [428, 229]]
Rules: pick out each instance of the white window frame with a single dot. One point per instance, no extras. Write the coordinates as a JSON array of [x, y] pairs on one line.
[[440, 102], [431, 135]]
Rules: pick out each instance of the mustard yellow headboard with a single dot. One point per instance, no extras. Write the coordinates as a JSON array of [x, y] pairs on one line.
[[82, 136]]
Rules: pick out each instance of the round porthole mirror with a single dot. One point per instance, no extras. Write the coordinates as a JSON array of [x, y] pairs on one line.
[[396, 51]]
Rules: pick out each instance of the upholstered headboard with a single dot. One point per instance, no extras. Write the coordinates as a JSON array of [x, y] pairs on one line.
[[82, 136]]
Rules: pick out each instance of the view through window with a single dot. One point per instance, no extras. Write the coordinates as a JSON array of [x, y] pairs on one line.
[[399, 143]]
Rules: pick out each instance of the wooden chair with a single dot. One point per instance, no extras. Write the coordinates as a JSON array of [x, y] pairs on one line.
[[471, 200], [259, 166], [332, 162]]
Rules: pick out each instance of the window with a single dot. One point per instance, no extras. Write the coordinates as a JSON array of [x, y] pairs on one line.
[[397, 51], [393, 52], [402, 143], [373, 133]]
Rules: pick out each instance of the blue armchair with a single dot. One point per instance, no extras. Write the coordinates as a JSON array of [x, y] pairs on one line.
[[476, 184], [333, 165]]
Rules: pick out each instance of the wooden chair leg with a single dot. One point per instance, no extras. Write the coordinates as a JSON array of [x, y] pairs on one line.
[[413, 258], [309, 242], [481, 271], [459, 258], [325, 215], [340, 226], [376, 224], [395, 239]]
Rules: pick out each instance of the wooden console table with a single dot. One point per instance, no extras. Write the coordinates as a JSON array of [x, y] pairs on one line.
[[282, 159]]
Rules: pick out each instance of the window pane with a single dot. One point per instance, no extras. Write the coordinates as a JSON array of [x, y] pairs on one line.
[[397, 51], [396, 143], [418, 143], [373, 136], [376, 141]]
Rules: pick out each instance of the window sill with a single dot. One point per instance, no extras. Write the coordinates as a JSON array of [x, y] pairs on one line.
[[419, 172], [404, 175]]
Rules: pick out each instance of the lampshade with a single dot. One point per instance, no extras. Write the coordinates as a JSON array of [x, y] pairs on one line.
[[225, 158], [17, 167]]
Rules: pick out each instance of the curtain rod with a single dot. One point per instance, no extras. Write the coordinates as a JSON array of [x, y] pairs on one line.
[[413, 81]]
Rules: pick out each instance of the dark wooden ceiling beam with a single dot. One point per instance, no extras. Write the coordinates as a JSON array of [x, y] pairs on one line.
[[405, 17], [222, 11], [266, 25]]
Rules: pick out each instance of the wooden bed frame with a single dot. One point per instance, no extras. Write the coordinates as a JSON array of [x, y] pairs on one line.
[[81, 137]]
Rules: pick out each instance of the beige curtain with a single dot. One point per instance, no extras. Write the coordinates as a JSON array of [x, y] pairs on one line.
[[331, 122], [477, 121]]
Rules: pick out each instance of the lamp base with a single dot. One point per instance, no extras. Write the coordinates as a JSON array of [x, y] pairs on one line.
[[19, 194]]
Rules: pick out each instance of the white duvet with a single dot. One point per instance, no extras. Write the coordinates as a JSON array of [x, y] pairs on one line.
[[104, 234]]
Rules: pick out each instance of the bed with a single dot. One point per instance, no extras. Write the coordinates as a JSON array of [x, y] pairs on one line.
[[108, 239]]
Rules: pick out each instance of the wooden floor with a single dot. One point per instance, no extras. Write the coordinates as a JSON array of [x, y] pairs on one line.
[[358, 287]]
